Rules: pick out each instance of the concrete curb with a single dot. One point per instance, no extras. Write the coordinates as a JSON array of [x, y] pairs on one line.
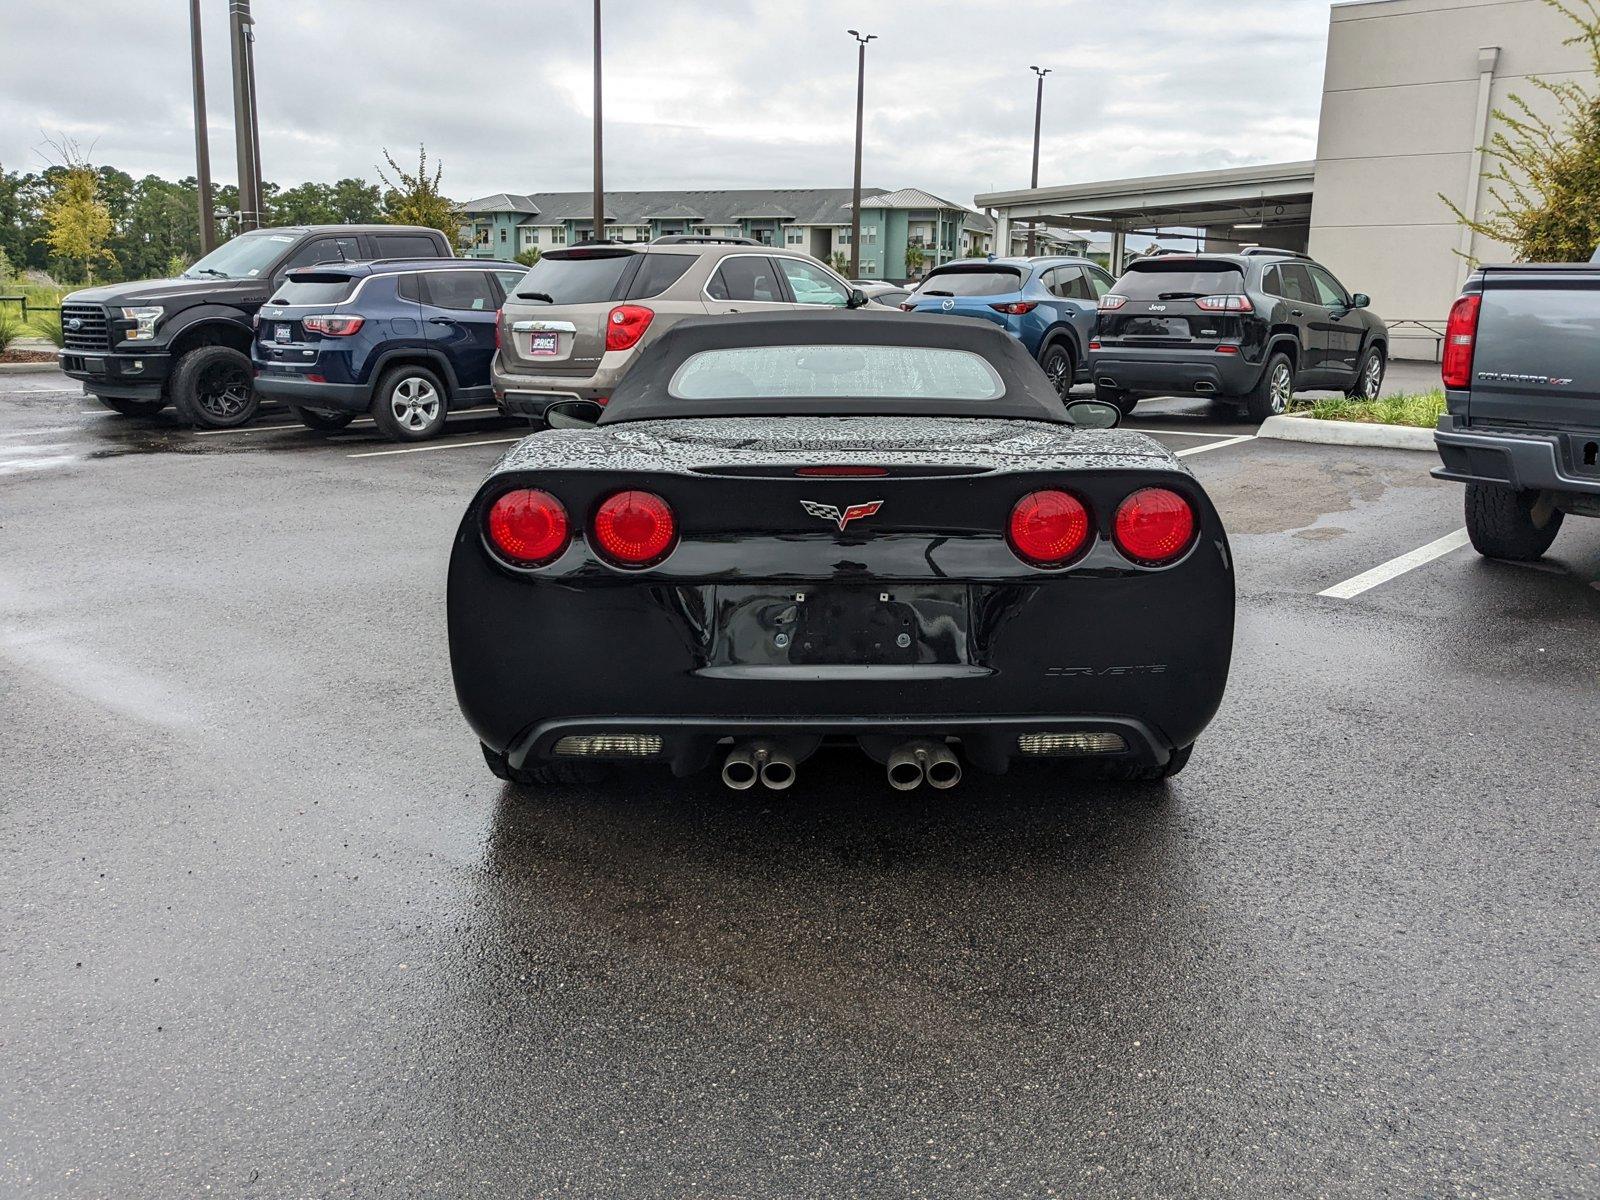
[[1301, 427], [23, 368]]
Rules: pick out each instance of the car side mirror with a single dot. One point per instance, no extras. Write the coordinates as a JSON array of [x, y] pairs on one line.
[[1093, 414], [573, 414], [858, 299], [1360, 300]]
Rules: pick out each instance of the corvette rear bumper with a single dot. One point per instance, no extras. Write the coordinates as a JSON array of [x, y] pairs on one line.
[[989, 743]]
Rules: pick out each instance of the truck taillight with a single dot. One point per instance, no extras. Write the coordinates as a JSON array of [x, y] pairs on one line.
[[1228, 303], [331, 326], [1460, 334], [625, 325]]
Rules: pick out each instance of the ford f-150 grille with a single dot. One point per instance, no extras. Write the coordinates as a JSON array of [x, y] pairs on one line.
[[84, 327]]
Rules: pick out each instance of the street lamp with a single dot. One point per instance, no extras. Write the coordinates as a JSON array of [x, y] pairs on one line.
[[1038, 112], [855, 191], [202, 148]]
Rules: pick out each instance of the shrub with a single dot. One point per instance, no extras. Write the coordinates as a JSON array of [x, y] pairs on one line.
[[48, 326], [529, 256], [1421, 409], [11, 328]]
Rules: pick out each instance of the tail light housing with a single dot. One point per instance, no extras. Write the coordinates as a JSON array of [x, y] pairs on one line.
[[333, 326], [499, 315], [1048, 528], [528, 527], [1228, 303], [634, 528], [1110, 302], [1154, 526], [1015, 308], [1460, 337], [1095, 344], [625, 325]]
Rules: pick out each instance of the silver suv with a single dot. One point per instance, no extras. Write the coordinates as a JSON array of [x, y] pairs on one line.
[[580, 316]]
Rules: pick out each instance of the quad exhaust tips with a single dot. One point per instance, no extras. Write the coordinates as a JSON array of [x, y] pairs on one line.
[[913, 763], [763, 761]]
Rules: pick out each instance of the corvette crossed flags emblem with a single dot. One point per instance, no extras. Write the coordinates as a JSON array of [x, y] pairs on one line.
[[829, 513]]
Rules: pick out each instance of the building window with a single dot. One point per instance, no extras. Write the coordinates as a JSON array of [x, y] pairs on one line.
[[794, 236], [502, 234], [844, 236], [558, 235], [869, 236]]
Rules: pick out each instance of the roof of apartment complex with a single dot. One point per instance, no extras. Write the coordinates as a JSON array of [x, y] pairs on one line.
[[793, 206]]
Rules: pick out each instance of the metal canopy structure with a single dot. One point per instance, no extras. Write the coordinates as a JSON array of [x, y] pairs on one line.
[[1269, 205]]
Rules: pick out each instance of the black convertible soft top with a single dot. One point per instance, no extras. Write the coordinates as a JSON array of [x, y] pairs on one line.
[[643, 395]]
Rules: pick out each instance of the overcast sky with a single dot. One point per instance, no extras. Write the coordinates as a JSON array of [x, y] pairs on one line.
[[714, 93]]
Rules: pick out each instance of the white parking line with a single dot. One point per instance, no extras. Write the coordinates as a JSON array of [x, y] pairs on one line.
[[1173, 432], [440, 446], [1384, 572], [1233, 441]]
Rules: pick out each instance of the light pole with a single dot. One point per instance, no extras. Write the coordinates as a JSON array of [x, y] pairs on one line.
[[855, 191], [1038, 113], [202, 149], [246, 131], [598, 225]]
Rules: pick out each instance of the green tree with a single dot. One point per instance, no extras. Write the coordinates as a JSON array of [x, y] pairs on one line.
[[356, 202], [529, 256], [307, 204], [841, 261], [414, 198], [914, 260], [1545, 177], [77, 222]]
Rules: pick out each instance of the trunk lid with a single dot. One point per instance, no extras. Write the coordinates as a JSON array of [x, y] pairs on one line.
[[554, 323], [1161, 307], [1534, 361], [970, 290]]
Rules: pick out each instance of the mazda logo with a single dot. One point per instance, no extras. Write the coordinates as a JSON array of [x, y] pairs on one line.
[[947, 305]]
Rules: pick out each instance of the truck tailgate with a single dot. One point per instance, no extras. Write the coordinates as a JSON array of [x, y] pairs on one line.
[[1537, 358]]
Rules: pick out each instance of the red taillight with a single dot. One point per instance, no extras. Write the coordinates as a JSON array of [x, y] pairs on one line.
[[1460, 333], [1153, 526], [1048, 528], [853, 472], [1094, 345], [1231, 303], [1110, 302], [634, 529], [1015, 308], [1227, 348], [528, 527], [625, 325], [331, 326]]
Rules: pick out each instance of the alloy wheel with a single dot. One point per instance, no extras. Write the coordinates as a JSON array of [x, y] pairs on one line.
[[415, 403], [1372, 378], [223, 391], [1282, 388], [1056, 365]]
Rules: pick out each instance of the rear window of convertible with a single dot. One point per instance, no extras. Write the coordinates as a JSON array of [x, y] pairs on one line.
[[824, 372]]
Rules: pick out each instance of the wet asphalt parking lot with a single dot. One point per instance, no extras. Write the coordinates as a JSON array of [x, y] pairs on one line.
[[271, 929]]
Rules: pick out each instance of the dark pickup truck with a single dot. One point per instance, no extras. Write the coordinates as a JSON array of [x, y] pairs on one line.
[[138, 347], [1522, 379]]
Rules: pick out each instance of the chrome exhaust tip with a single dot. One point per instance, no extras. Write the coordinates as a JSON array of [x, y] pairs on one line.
[[778, 770], [942, 768], [740, 770], [905, 768]]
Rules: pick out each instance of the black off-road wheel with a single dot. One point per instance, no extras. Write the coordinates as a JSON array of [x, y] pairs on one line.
[[132, 408], [322, 419], [1273, 395], [1059, 366], [542, 774], [1505, 523], [212, 388]]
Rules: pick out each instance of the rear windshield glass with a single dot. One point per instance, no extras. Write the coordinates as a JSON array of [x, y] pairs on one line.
[[575, 280], [987, 281], [319, 289], [658, 272], [1179, 281], [867, 372]]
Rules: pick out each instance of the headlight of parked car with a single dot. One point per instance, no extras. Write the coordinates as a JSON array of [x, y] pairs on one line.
[[144, 320]]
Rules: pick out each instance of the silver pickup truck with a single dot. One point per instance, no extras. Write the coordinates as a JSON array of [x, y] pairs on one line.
[[1521, 372]]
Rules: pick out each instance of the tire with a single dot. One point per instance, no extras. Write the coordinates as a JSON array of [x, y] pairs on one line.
[[132, 408], [541, 774], [212, 388], [1271, 397], [1369, 376], [1126, 772], [1502, 524], [1058, 364], [1125, 403], [321, 419], [410, 404]]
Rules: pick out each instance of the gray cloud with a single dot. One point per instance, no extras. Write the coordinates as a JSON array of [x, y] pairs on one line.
[[735, 93]]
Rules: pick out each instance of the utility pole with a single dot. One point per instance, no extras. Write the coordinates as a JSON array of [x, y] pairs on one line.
[[246, 132], [1038, 113], [202, 148], [598, 231], [855, 191]]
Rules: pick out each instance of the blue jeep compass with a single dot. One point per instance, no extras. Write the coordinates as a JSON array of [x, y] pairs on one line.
[[403, 339]]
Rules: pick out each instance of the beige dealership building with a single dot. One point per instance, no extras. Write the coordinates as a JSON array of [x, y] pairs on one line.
[[1406, 100]]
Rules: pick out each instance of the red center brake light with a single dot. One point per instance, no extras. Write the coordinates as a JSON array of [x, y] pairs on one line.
[[332, 326], [625, 325], [1048, 528], [1016, 308], [1229, 303], [852, 472], [528, 527], [1460, 335], [1154, 526], [634, 529]]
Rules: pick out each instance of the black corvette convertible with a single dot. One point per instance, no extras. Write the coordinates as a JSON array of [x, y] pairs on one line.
[[838, 528]]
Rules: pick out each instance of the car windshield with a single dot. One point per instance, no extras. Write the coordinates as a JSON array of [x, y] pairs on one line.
[[1176, 281], [585, 279], [824, 371], [245, 257], [969, 281]]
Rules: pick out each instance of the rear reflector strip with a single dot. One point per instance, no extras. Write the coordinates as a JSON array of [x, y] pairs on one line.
[[1060, 744], [609, 745], [853, 472]]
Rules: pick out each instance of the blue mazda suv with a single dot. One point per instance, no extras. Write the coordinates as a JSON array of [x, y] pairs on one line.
[[404, 339], [1047, 303]]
